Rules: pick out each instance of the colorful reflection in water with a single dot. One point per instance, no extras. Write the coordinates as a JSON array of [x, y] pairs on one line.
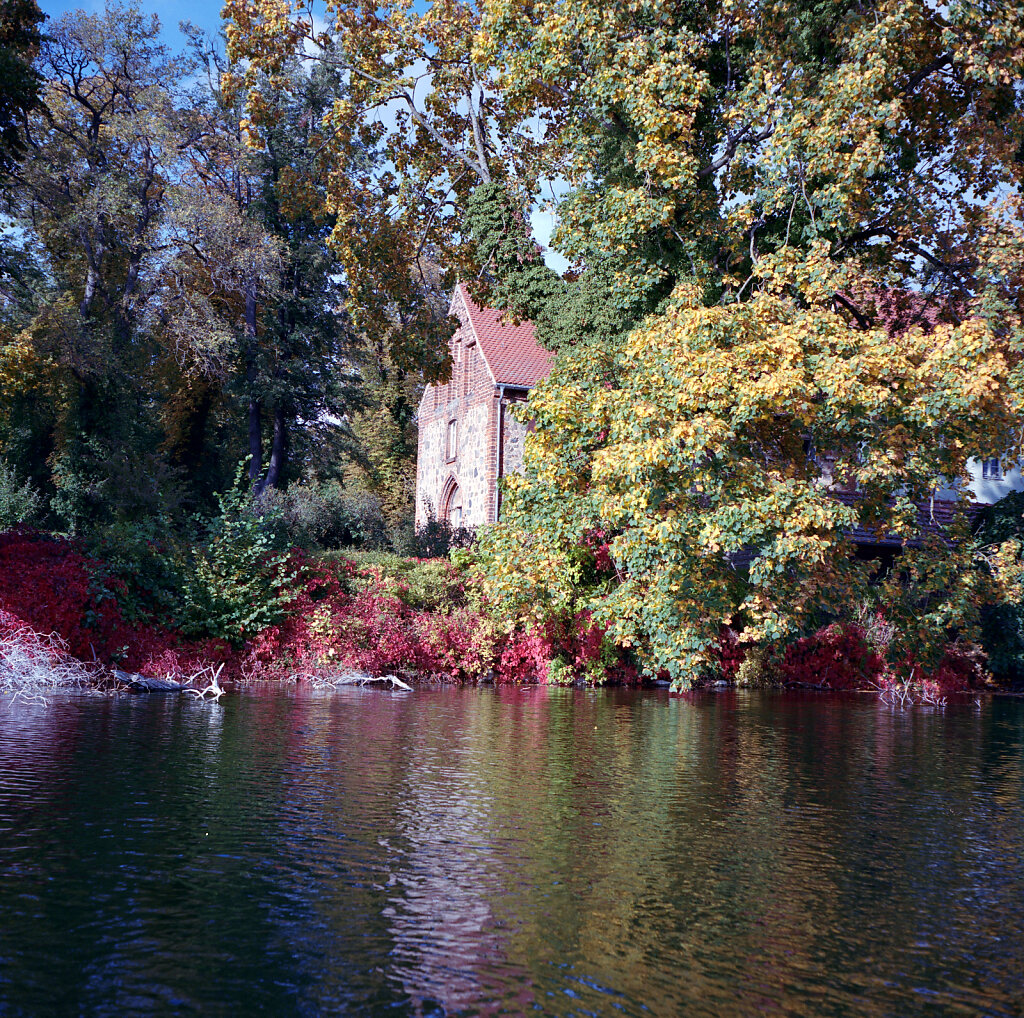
[[480, 852]]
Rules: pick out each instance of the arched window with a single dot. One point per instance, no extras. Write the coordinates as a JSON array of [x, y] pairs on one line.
[[451, 503]]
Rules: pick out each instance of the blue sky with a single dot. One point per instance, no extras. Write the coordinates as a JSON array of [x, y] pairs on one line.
[[204, 13]]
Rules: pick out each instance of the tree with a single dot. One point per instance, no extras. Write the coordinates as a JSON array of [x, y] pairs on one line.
[[797, 229], [28, 379], [91, 190], [423, 102], [256, 275], [19, 82]]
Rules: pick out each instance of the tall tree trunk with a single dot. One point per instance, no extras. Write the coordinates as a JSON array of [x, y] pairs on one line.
[[255, 440], [255, 414], [278, 453]]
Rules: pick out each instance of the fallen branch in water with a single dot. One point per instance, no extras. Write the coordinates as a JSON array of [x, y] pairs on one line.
[[214, 689], [32, 663], [906, 694], [144, 684], [355, 679]]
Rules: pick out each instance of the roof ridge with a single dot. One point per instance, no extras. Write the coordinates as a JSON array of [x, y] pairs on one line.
[[467, 303]]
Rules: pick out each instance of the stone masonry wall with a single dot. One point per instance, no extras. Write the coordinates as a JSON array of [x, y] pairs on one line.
[[431, 469], [513, 435], [470, 399]]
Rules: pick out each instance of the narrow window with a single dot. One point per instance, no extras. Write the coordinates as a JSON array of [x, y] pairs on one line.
[[452, 441], [469, 370], [992, 470]]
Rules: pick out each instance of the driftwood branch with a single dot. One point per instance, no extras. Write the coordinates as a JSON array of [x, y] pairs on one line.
[[357, 679], [214, 689]]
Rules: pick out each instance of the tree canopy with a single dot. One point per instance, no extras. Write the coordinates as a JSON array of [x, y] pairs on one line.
[[20, 36], [804, 222], [794, 312]]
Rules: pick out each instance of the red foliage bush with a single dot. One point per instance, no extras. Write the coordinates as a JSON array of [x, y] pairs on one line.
[[47, 582], [836, 657], [50, 585], [578, 641], [596, 541], [525, 657], [340, 617], [729, 654], [16, 629], [372, 630], [957, 672]]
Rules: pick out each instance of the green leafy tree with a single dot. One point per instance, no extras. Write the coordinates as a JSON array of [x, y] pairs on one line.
[[236, 580], [19, 501], [256, 284], [90, 189], [20, 21], [797, 237]]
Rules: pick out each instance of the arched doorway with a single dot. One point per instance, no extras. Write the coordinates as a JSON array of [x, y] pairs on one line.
[[451, 503]]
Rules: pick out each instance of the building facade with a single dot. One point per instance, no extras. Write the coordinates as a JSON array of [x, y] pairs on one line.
[[468, 436]]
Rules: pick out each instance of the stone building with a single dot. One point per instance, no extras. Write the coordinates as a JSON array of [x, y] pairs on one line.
[[468, 438]]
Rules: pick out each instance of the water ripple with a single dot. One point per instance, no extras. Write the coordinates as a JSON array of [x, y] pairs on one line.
[[526, 851]]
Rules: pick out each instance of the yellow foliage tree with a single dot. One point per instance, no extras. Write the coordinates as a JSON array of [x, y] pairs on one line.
[[816, 207]]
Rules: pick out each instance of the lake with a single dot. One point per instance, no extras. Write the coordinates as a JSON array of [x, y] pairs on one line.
[[465, 851]]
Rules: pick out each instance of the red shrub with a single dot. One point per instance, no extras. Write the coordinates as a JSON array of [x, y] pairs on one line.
[[729, 654], [957, 672], [525, 657], [596, 541], [836, 657], [48, 583], [52, 586]]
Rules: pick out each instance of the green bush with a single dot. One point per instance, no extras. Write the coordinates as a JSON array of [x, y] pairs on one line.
[[430, 585], [1002, 625], [328, 516], [147, 560], [19, 503], [236, 579], [434, 539]]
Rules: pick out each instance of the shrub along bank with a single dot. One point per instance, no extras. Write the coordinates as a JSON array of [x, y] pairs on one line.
[[229, 590], [269, 614], [264, 613]]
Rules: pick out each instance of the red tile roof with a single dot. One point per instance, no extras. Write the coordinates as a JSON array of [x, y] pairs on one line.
[[510, 351]]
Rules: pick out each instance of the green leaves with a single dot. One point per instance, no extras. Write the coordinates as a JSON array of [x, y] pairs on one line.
[[19, 502], [20, 21], [236, 578]]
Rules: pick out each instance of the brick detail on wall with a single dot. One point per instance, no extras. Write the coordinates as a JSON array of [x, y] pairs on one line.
[[469, 399], [481, 410]]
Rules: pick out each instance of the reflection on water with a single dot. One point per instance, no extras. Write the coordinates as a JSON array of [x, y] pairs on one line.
[[477, 852]]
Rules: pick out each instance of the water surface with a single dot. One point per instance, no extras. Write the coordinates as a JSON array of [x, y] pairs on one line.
[[453, 852]]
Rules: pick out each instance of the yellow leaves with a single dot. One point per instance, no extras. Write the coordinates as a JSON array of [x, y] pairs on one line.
[[705, 451], [262, 31], [1006, 568], [23, 370], [21, 365]]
